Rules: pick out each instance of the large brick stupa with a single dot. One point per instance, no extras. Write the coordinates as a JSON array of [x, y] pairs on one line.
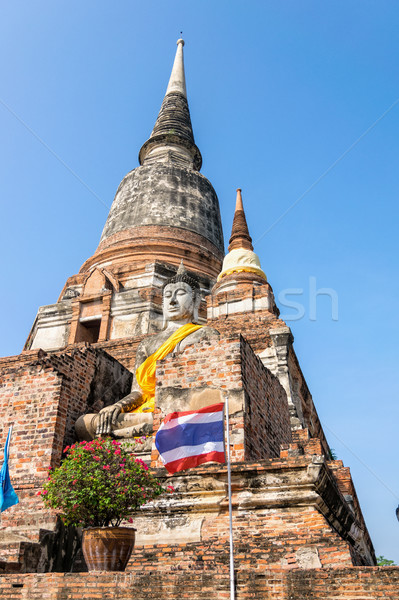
[[298, 528]]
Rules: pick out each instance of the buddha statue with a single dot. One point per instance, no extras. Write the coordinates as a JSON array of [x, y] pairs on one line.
[[132, 416]]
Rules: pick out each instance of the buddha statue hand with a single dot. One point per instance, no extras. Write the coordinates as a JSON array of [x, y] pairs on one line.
[[107, 417]]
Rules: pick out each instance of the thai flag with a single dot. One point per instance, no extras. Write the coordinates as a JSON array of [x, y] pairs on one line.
[[188, 439]]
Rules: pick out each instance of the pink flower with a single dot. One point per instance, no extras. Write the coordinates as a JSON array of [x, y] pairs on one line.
[[106, 467], [66, 448], [117, 451], [44, 492], [142, 463], [74, 481], [39, 493], [171, 488], [130, 520]]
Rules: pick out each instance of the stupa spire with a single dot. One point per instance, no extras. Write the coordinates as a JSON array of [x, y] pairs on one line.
[[177, 81], [241, 257], [240, 237], [172, 139], [165, 210]]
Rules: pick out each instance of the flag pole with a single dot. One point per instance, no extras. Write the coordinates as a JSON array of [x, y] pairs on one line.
[[232, 587]]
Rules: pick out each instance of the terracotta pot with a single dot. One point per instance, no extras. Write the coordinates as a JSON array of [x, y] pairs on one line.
[[107, 548]]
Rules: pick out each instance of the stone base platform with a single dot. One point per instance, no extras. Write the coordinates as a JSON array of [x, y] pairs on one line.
[[288, 512]]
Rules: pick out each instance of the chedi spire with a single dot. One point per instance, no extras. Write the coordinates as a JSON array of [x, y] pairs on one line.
[[240, 257], [165, 210], [240, 237], [172, 138], [177, 81]]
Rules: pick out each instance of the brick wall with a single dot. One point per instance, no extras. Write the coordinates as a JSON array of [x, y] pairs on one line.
[[287, 510], [345, 484], [123, 350], [259, 411], [157, 242], [29, 400], [301, 390], [263, 538], [254, 327], [368, 583], [267, 419], [42, 395], [286, 513], [313, 584], [242, 317]]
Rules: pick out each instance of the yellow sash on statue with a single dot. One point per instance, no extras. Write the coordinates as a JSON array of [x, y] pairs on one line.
[[145, 374]]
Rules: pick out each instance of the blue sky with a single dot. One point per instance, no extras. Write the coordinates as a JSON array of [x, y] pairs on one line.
[[278, 91]]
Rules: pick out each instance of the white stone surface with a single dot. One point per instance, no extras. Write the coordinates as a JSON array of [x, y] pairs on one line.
[[308, 558], [124, 326], [50, 338], [239, 306], [168, 531], [51, 327], [241, 259], [131, 315]]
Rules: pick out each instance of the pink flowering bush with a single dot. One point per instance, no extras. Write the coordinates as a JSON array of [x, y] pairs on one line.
[[99, 484]]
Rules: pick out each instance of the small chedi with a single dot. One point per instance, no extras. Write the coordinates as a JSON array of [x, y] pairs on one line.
[[160, 320]]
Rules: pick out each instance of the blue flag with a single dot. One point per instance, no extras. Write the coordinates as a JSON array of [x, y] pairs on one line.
[[7, 495]]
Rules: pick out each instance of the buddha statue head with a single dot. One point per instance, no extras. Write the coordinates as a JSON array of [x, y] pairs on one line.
[[181, 298]]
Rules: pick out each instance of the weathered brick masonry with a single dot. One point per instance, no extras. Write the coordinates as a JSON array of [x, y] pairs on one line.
[[313, 584], [260, 420], [50, 390], [245, 306], [42, 395], [286, 512]]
